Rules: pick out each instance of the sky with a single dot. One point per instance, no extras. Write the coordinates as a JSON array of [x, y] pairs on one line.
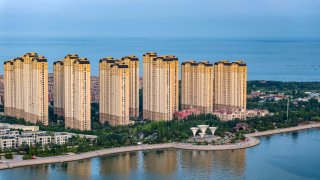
[[160, 18]]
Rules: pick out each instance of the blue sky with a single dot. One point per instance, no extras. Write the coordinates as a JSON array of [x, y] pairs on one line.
[[160, 18]]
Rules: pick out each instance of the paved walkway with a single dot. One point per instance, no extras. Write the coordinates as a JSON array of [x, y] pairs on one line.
[[249, 142], [284, 130]]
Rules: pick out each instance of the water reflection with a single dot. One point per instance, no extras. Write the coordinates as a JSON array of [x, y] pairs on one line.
[[233, 161], [162, 162], [121, 164], [40, 171], [197, 160], [295, 135], [206, 164], [78, 168]]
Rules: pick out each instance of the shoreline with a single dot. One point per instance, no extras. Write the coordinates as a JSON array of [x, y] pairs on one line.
[[251, 141], [285, 130]]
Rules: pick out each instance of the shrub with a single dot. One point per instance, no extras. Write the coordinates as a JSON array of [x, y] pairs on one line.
[[8, 155]]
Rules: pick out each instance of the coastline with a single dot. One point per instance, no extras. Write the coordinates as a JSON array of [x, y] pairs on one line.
[[250, 142], [284, 130]]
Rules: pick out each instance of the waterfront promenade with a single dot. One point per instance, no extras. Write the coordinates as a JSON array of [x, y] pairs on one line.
[[249, 142], [284, 130]]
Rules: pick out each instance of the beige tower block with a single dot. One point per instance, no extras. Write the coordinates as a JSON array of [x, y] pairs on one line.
[[72, 93], [197, 80], [160, 86], [230, 85], [119, 90], [26, 88], [58, 88]]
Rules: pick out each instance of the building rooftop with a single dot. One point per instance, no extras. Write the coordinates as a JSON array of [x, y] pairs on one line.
[[194, 63], [107, 59], [31, 54], [82, 61], [226, 62], [72, 56], [120, 65], [150, 54], [42, 135], [7, 137], [40, 59], [58, 62], [25, 136], [8, 62], [132, 58], [191, 62], [61, 133], [166, 58], [18, 59], [37, 132]]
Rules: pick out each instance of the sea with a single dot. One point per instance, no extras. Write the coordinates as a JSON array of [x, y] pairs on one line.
[[267, 59]]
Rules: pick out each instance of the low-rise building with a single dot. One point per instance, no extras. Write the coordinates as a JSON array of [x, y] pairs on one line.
[[7, 142], [225, 115], [185, 113], [25, 140], [61, 138], [256, 112], [21, 127], [4, 130], [32, 133], [13, 133], [24, 128], [15, 139], [92, 138], [44, 139]]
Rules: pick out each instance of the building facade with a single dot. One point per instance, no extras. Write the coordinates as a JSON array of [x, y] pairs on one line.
[[25, 140], [119, 90], [160, 86], [7, 142], [72, 91], [230, 85], [197, 81], [82, 95], [58, 88], [119, 111], [26, 88], [133, 65], [105, 89]]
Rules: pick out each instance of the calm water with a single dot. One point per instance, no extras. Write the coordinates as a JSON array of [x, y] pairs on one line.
[[268, 59], [286, 156]]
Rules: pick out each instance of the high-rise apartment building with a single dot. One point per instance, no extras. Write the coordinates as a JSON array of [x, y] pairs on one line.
[[26, 88], [9, 90], [119, 90], [82, 95], [197, 86], [105, 89], [58, 88], [120, 97], [230, 85], [133, 64], [72, 91], [160, 86]]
